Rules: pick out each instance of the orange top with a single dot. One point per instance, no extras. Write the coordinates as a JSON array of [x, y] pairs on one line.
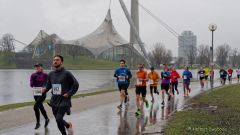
[[141, 78], [154, 76]]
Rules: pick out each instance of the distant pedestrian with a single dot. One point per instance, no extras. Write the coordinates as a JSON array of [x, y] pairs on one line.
[[174, 80], [187, 75], [165, 83], [141, 88], [153, 78]]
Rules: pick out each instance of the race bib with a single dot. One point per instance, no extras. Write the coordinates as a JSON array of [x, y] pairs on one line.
[[150, 81], [184, 77], [37, 91], [139, 82], [57, 89], [121, 78], [201, 75]]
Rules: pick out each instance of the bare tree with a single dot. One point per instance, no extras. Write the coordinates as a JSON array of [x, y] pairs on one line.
[[8, 47], [160, 55], [7, 43], [233, 57], [203, 55], [222, 53], [179, 62], [191, 55], [238, 60]]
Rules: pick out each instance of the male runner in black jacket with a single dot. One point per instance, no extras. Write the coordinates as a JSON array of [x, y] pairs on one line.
[[63, 85]]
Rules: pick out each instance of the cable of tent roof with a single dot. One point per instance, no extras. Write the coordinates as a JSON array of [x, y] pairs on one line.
[[110, 2]]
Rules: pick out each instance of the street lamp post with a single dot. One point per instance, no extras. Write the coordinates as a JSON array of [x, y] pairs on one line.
[[212, 27]]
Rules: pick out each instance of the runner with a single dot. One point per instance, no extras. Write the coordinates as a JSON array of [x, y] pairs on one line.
[[206, 69], [38, 80], [201, 75], [187, 75], [238, 74], [174, 80], [153, 78], [211, 74], [141, 90], [206, 74], [230, 72], [122, 74], [223, 75], [165, 83], [64, 86]]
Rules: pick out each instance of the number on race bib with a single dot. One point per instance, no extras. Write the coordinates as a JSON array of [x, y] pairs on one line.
[[121, 78], [56, 89], [139, 82], [184, 77], [151, 81], [37, 91]]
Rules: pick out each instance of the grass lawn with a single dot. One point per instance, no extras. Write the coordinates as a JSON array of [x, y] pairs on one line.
[[5, 65], [85, 63], [225, 120]]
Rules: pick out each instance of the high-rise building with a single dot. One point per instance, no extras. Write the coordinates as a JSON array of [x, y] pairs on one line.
[[187, 44]]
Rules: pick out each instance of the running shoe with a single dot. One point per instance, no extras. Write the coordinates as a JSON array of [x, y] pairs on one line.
[[138, 112], [37, 126], [70, 128], [119, 107], [162, 103], [46, 122]]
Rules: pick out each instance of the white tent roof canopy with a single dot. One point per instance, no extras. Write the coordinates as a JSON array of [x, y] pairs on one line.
[[103, 38]]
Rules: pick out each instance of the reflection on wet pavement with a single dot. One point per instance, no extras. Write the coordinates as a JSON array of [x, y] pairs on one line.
[[107, 120]]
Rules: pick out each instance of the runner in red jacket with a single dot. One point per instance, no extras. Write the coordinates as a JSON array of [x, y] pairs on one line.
[[174, 80]]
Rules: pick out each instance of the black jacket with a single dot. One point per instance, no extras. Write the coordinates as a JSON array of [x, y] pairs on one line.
[[68, 84]]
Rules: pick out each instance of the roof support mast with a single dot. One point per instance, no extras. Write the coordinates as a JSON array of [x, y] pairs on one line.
[[135, 31]]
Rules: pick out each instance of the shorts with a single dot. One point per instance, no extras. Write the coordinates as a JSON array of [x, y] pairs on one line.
[[123, 86], [141, 90], [206, 77], [153, 88], [186, 82], [201, 78], [238, 76], [165, 86], [223, 77]]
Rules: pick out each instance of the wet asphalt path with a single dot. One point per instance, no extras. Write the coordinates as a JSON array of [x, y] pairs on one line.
[[108, 120]]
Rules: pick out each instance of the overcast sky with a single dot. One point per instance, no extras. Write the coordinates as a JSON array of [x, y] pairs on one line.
[[73, 19]]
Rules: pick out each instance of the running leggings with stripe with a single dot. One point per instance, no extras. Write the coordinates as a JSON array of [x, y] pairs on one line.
[[38, 106]]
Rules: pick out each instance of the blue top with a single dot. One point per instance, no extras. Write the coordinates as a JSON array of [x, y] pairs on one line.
[[123, 75], [186, 75], [166, 75]]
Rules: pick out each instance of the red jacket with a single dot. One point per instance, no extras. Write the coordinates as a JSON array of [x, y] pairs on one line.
[[174, 76], [230, 71]]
